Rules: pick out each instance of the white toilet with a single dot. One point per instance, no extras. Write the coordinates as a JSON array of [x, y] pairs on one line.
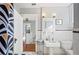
[[67, 45]]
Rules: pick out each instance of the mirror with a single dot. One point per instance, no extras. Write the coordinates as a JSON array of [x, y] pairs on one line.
[[48, 28]]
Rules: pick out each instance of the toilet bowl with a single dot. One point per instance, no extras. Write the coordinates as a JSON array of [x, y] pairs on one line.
[[67, 45], [69, 52]]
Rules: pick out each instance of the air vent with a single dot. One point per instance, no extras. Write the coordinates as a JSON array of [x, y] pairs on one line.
[[33, 4]]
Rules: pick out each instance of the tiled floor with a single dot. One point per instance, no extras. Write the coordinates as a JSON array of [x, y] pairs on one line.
[[54, 51]]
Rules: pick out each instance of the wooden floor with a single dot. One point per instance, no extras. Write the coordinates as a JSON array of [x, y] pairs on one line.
[[29, 47]]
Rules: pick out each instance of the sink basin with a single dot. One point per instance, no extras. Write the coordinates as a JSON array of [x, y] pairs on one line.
[[52, 44]]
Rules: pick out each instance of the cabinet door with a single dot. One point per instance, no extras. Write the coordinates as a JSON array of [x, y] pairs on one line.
[[29, 47]]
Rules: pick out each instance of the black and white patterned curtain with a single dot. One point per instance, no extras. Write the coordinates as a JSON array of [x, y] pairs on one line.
[[6, 28]]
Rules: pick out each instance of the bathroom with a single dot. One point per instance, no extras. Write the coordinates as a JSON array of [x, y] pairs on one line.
[[43, 28]]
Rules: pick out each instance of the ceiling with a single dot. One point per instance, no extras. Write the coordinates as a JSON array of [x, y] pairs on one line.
[[38, 5]]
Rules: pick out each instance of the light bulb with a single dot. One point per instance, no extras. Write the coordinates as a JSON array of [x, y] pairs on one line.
[[54, 15], [43, 15]]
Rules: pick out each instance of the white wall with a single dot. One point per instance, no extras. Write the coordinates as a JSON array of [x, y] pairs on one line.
[[18, 32], [64, 13], [61, 13], [63, 36], [65, 30], [64, 33]]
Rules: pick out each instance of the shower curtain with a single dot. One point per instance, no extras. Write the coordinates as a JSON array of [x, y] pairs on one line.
[[6, 28]]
